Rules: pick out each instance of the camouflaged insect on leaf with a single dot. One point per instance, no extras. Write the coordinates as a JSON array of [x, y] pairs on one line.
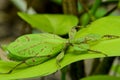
[[34, 46]]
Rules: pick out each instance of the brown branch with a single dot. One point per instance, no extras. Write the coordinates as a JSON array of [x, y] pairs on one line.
[[70, 7], [87, 10]]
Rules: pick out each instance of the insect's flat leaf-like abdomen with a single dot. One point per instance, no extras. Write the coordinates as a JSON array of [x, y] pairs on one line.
[[35, 45]]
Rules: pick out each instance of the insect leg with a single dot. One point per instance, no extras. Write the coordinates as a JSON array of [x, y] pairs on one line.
[[24, 61], [13, 68], [59, 58], [61, 55], [72, 33], [97, 52], [35, 60]]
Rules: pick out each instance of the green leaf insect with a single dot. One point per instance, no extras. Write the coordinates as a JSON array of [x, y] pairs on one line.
[[34, 49]]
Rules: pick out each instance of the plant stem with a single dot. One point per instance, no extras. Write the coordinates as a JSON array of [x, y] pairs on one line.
[[104, 66], [94, 65], [70, 7], [29, 3], [116, 67], [63, 73], [77, 70], [95, 6], [86, 9], [90, 13]]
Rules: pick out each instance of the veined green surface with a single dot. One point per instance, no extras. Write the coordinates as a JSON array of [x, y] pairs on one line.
[[32, 45], [103, 26], [53, 23]]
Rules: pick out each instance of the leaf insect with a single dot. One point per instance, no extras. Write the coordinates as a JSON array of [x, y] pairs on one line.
[[34, 49]]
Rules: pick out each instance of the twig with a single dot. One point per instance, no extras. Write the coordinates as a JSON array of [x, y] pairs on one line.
[[70, 7], [104, 66], [111, 10], [86, 10]]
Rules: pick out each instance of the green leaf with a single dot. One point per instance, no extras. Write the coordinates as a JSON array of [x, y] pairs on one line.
[[54, 23], [107, 25], [100, 12], [101, 77], [104, 26]]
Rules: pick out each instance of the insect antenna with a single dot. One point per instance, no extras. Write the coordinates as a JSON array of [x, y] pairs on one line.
[[24, 62]]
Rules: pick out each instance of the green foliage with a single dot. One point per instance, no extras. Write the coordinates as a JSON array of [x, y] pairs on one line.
[[102, 26], [101, 77], [54, 23], [100, 12]]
